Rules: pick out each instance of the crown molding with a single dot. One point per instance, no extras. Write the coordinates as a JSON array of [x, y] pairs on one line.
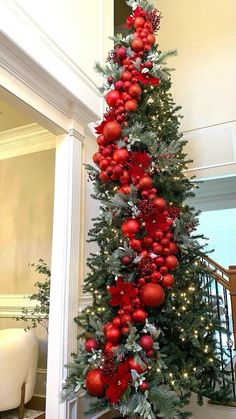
[[11, 304], [25, 140]]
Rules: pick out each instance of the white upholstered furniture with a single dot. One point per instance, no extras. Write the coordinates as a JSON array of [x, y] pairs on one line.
[[18, 365]]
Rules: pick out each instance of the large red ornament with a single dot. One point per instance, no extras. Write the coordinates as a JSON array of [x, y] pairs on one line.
[[131, 105], [152, 295], [91, 344], [113, 97], [112, 131], [116, 321], [120, 155], [160, 204], [135, 90], [94, 383], [146, 342], [113, 335], [137, 45], [139, 22], [139, 315], [167, 281], [171, 262], [145, 182], [130, 227]]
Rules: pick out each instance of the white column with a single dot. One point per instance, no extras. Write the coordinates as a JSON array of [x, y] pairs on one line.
[[65, 271]]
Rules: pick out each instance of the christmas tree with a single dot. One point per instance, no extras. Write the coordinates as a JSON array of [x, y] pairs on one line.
[[148, 339]]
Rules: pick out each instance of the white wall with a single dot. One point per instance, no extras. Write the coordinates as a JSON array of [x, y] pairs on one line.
[[66, 37], [204, 82]]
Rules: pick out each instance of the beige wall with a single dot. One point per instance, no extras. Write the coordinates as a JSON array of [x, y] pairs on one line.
[[204, 83], [26, 204]]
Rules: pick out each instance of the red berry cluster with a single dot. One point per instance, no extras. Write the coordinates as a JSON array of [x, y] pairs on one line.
[[149, 232]]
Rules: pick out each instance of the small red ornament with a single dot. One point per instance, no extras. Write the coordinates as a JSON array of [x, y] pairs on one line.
[[173, 248], [116, 321], [125, 177], [119, 85], [167, 281], [151, 39], [104, 177], [107, 326], [126, 76], [157, 248], [125, 330], [109, 347], [117, 171], [126, 260], [112, 131], [144, 386], [94, 383], [113, 335], [120, 155], [125, 189], [127, 85], [126, 319], [130, 227], [147, 241], [112, 97], [91, 344], [150, 353], [101, 140], [158, 235], [131, 105], [135, 90], [133, 365], [145, 182], [97, 157], [137, 44], [171, 262], [160, 204], [146, 342], [156, 276], [121, 52], [152, 295], [139, 315], [139, 22], [135, 244]]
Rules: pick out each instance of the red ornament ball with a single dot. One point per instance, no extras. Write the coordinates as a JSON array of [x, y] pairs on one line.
[[126, 319], [139, 315], [116, 321], [146, 342], [152, 295], [94, 383], [160, 204], [125, 189], [126, 76], [130, 227], [151, 39], [139, 22], [133, 365], [113, 335], [171, 262], [113, 97], [137, 45], [104, 177], [173, 248], [120, 155], [167, 281], [131, 105], [112, 131], [126, 260], [91, 344], [150, 353], [107, 326], [145, 182], [121, 52], [135, 244], [135, 90]]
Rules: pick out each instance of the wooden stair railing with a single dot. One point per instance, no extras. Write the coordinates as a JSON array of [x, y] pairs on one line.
[[220, 284]]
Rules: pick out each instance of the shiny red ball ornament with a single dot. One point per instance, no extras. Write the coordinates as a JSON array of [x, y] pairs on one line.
[[144, 386], [104, 177], [158, 235], [112, 131], [126, 260], [94, 383], [109, 347], [135, 244], [107, 326], [171, 262], [146, 342], [116, 321], [133, 365], [117, 171], [126, 319], [101, 140], [150, 353], [160, 204], [125, 177], [126, 76], [152, 295], [125, 189], [173, 248], [125, 330], [145, 182], [103, 164], [139, 315], [157, 248], [137, 44], [151, 39], [156, 276], [97, 157], [118, 85], [147, 241], [121, 52], [131, 105], [91, 344], [113, 335], [120, 155], [139, 22], [130, 227], [168, 281], [113, 97], [135, 90]]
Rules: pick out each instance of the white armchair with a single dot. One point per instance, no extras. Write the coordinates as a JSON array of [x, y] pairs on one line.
[[18, 365]]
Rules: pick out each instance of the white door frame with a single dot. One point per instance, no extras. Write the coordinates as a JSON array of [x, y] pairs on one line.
[[29, 86]]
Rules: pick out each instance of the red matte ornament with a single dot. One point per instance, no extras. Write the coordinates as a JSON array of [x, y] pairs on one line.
[[112, 131], [152, 295], [94, 383]]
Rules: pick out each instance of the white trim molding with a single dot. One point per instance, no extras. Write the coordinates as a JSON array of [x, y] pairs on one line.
[[11, 304], [26, 139]]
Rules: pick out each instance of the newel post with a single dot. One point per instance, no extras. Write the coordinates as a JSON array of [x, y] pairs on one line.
[[232, 281]]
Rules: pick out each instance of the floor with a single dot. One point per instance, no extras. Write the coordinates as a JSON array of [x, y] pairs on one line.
[[29, 414]]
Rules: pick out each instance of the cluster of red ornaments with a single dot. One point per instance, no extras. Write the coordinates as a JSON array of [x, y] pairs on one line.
[[148, 233]]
